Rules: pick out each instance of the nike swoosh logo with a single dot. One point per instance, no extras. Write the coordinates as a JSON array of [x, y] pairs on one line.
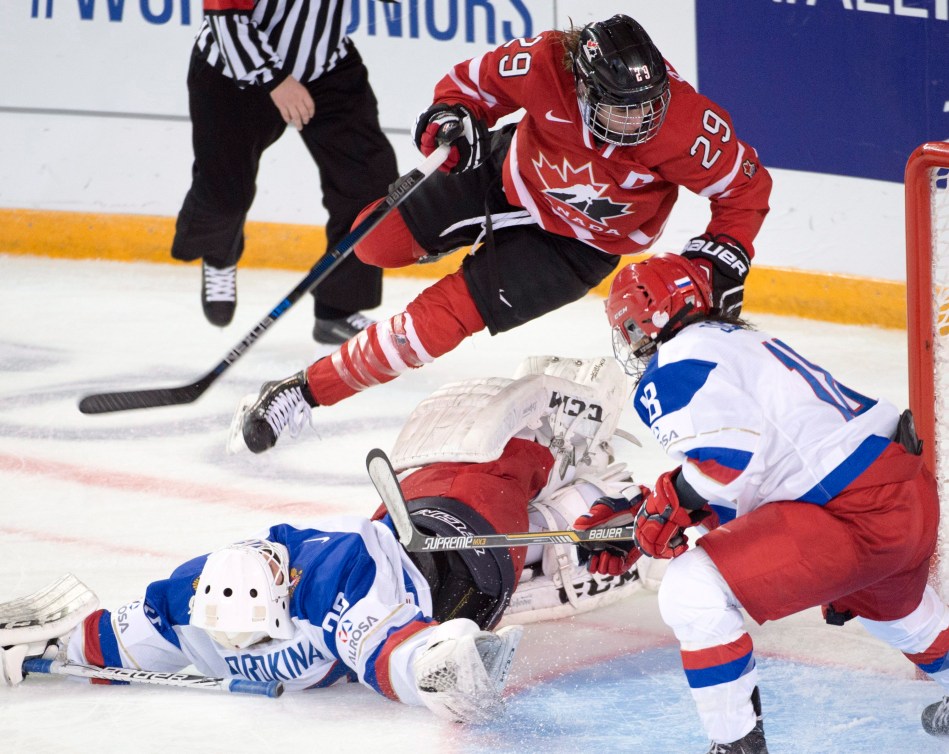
[[316, 539], [555, 119]]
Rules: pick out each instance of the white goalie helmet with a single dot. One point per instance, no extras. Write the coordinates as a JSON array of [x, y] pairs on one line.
[[243, 594]]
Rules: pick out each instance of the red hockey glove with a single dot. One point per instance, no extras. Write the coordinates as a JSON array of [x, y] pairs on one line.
[[611, 558], [468, 150], [662, 521], [725, 264]]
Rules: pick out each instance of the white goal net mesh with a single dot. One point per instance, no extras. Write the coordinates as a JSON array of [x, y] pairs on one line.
[[938, 177], [927, 307]]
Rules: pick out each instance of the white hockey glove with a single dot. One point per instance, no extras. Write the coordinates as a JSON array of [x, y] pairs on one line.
[[462, 670], [31, 626], [12, 658]]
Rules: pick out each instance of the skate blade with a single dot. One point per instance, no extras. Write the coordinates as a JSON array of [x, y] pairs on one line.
[[235, 433]]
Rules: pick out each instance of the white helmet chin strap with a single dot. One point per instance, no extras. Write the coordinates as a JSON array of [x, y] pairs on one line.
[[243, 594]]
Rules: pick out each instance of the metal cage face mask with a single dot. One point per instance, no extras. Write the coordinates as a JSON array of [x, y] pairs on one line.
[[633, 349], [622, 81], [649, 302], [624, 125]]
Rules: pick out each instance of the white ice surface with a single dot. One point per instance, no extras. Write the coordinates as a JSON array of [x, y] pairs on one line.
[[121, 499]]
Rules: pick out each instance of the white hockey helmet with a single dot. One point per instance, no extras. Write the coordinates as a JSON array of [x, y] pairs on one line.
[[242, 595]]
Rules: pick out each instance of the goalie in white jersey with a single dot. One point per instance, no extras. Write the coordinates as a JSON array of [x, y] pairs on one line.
[[813, 494], [343, 600]]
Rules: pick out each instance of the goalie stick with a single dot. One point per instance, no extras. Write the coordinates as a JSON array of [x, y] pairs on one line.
[[102, 403], [386, 482], [273, 689]]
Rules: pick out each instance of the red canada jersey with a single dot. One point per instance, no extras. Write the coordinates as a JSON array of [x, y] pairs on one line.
[[616, 198]]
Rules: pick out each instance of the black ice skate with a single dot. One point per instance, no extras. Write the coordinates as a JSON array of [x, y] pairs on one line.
[[280, 405], [935, 718], [218, 293], [335, 332], [753, 741]]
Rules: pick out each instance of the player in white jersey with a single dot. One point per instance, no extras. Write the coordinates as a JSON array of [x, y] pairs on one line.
[[813, 494], [342, 599]]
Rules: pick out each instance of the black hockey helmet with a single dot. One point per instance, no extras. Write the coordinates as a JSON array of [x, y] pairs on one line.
[[469, 583], [622, 83]]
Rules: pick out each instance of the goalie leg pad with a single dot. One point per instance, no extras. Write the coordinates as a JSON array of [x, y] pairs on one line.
[[551, 596], [559, 584], [586, 398], [462, 670]]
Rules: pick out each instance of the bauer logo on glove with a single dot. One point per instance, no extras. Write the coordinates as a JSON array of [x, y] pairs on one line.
[[607, 517]]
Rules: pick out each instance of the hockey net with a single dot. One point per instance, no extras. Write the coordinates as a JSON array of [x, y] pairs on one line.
[[927, 313]]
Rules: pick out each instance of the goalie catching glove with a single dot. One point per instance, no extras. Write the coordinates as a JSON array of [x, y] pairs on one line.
[[611, 557], [725, 264], [662, 520], [468, 150], [462, 670]]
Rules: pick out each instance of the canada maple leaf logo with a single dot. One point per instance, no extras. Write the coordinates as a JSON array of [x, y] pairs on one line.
[[577, 196]]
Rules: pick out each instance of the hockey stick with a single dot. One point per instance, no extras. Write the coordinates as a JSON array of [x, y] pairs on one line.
[[101, 403], [273, 689], [386, 482]]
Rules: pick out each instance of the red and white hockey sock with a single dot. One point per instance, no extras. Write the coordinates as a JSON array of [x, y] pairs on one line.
[[434, 323], [923, 636]]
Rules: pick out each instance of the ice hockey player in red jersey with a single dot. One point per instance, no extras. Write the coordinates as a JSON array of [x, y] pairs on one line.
[[590, 172]]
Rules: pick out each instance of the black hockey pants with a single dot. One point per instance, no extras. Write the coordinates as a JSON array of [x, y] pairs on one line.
[[231, 128]]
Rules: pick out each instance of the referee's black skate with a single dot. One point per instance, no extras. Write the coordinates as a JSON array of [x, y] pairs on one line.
[[281, 404], [218, 293], [935, 718], [335, 332]]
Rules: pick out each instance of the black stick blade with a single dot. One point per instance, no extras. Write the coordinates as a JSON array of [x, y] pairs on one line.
[[130, 400]]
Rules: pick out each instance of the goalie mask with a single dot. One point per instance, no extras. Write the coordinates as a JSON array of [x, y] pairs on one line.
[[649, 302], [622, 83], [243, 594]]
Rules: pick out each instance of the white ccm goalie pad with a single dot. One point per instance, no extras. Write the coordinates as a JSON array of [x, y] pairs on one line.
[[569, 405], [461, 672], [555, 584]]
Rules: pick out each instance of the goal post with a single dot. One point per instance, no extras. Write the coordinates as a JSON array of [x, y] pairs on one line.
[[927, 314]]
